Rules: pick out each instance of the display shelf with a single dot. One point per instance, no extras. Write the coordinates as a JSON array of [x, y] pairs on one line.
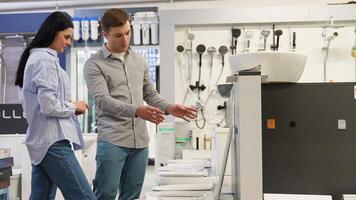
[[170, 19]]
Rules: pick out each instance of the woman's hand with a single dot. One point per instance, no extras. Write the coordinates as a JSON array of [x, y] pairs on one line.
[[80, 107]]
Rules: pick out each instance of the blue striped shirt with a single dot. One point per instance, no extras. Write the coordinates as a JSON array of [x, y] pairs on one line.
[[45, 98]]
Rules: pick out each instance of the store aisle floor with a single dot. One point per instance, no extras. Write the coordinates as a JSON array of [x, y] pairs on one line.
[[150, 180]]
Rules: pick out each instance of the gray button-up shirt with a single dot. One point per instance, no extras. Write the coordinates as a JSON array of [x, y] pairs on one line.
[[118, 88]]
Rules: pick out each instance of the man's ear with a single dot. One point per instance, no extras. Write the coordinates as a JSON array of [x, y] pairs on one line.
[[105, 34]]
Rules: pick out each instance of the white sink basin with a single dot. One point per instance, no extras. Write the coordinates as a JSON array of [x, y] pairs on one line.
[[275, 65], [89, 140]]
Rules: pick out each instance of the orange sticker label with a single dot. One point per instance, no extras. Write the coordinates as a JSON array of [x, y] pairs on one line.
[[271, 123]]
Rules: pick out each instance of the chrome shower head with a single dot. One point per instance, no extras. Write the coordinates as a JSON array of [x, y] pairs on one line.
[[180, 48], [265, 33], [190, 36], [201, 48], [248, 34], [333, 36], [211, 50], [223, 50]]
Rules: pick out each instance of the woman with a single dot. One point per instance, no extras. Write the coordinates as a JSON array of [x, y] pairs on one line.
[[51, 116]]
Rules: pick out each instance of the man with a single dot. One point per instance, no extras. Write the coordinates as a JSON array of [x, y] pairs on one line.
[[118, 80]]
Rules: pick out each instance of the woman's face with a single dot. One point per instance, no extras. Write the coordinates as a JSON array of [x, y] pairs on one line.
[[62, 40]]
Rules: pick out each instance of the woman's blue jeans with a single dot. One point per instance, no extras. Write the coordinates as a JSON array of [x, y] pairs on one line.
[[60, 168]]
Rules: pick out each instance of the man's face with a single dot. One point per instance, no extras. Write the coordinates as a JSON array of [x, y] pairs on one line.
[[118, 38]]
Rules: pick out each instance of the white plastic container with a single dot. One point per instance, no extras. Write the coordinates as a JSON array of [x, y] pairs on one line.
[[136, 26], [94, 25], [154, 32], [145, 24], [76, 28], [165, 144], [85, 28], [152, 20], [145, 33]]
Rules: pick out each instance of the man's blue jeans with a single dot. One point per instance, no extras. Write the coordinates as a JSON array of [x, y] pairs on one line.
[[60, 168], [119, 168]]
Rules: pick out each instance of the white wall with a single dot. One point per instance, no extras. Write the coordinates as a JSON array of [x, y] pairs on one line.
[[35, 6], [242, 3]]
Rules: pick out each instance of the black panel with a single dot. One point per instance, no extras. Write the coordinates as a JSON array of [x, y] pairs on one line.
[[12, 119], [306, 153]]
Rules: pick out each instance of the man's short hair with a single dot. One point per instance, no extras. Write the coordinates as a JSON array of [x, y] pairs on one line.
[[114, 17]]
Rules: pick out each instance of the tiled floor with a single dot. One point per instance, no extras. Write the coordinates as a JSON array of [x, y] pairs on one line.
[[150, 180]]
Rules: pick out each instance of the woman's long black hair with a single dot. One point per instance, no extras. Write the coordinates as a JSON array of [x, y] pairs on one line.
[[55, 22]]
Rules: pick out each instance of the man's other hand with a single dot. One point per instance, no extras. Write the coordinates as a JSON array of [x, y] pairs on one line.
[[188, 113]]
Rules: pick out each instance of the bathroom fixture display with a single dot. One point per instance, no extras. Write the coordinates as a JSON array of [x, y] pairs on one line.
[[330, 23], [276, 34], [190, 37], [245, 115], [224, 89], [275, 66], [264, 35], [235, 34], [328, 34], [221, 107], [326, 49], [223, 50], [292, 40], [294, 44], [211, 51], [247, 39], [180, 48], [200, 50]]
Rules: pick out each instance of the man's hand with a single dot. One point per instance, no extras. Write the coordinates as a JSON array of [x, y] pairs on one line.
[[80, 107], [150, 113], [188, 113]]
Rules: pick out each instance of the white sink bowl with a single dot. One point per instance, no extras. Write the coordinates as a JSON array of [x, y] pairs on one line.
[[89, 140], [275, 65]]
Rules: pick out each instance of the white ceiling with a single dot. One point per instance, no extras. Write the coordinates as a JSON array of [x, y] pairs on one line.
[[37, 5]]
